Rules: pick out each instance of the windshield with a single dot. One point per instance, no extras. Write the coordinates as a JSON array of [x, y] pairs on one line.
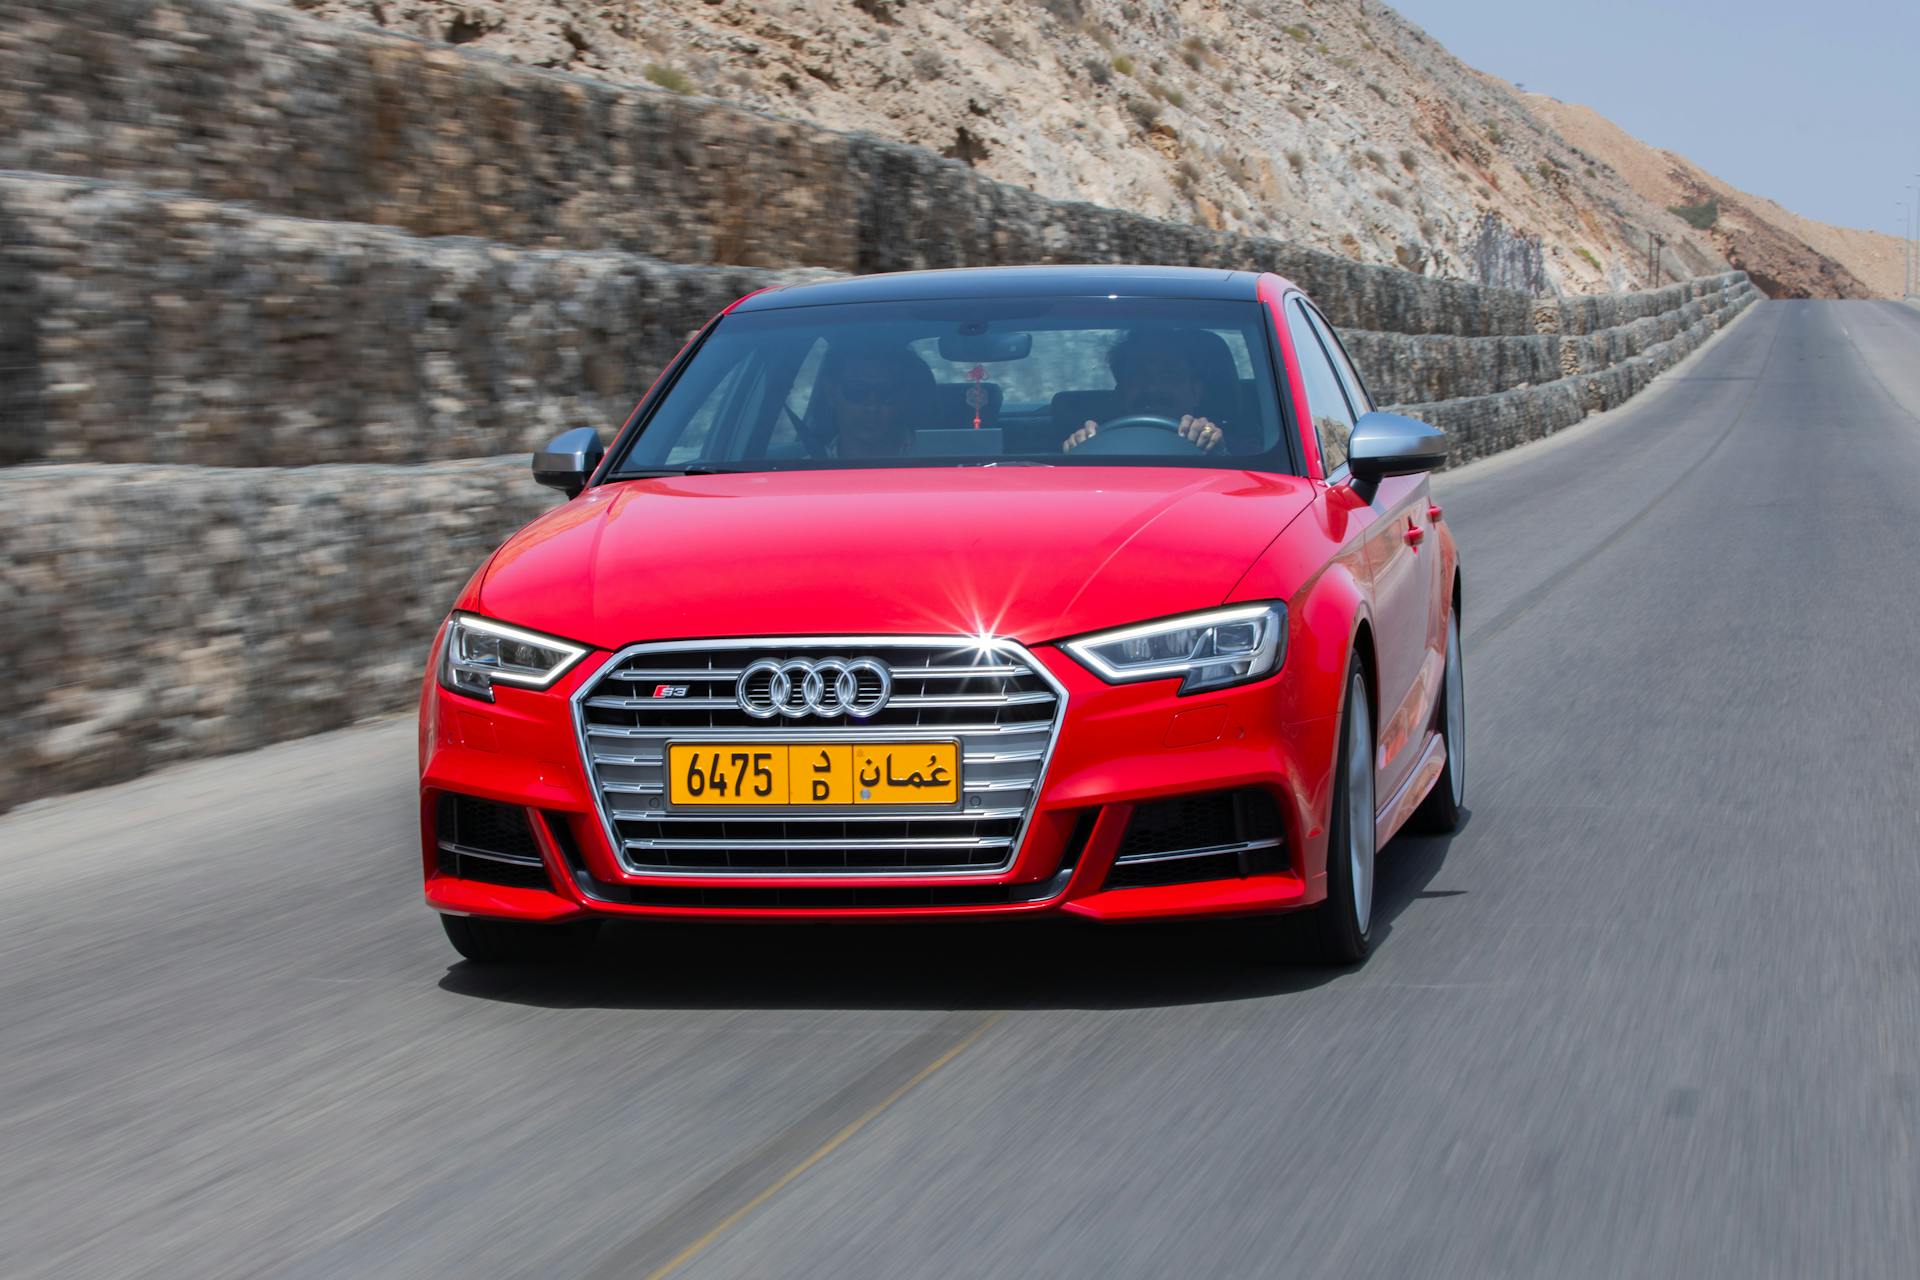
[[1068, 381]]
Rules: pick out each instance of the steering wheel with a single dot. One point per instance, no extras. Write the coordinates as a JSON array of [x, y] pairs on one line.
[[1137, 434]]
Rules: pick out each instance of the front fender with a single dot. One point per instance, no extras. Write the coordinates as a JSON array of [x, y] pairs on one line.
[[1325, 587], [1324, 582]]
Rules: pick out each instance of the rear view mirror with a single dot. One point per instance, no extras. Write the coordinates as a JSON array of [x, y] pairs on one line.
[[1386, 444], [985, 348], [568, 460]]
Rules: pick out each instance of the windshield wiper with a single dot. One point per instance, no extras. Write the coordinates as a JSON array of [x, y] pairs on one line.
[[697, 469]]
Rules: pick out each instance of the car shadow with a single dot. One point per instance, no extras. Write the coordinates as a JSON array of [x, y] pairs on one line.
[[1407, 867], [1042, 964]]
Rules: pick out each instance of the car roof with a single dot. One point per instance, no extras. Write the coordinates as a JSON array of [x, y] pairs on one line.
[[1014, 282]]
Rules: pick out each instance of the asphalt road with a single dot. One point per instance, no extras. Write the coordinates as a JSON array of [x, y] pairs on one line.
[[1655, 1010]]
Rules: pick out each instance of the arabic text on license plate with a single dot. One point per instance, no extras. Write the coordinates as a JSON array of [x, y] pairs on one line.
[[803, 775]]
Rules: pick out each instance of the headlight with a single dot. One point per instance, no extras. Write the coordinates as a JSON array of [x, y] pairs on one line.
[[478, 654], [1212, 650]]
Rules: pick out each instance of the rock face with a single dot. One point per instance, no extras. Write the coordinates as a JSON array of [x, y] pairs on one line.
[[1786, 255], [1347, 130], [343, 125], [1332, 123], [259, 406]]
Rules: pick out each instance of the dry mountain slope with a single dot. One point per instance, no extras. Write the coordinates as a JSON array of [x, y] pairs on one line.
[[1334, 123], [1787, 256]]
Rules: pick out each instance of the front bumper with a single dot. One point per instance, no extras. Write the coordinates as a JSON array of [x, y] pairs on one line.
[[1119, 748]]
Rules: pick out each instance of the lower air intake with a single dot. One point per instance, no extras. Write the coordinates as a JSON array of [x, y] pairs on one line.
[[489, 842], [1214, 835]]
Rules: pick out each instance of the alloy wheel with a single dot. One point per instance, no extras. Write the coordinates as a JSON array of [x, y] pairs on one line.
[[1456, 716], [1360, 805]]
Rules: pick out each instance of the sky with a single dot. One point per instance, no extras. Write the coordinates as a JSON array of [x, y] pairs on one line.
[[1814, 104]]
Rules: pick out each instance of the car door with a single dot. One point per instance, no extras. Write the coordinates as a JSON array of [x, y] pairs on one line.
[[1417, 572], [1396, 526]]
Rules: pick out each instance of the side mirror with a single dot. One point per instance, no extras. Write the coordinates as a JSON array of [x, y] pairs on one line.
[[1386, 444], [568, 460]]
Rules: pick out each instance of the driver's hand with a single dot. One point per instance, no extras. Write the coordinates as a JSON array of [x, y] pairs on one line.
[[1200, 431], [1085, 432]]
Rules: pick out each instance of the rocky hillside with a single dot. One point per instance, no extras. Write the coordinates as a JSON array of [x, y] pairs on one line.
[[1786, 255], [1333, 123]]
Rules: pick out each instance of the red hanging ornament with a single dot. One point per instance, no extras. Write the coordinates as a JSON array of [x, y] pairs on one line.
[[977, 393]]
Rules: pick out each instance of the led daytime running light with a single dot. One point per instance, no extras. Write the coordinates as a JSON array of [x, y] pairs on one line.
[[1211, 650], [508, 655]]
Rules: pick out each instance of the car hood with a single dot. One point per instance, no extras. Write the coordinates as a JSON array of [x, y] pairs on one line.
[[1033, 553]]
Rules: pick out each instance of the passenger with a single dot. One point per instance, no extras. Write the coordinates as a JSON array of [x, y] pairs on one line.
[[1160, 374], [871, 397]]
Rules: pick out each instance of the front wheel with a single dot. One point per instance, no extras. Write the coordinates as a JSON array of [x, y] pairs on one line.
[[1343, 924], [511, 942], [1439, 813]]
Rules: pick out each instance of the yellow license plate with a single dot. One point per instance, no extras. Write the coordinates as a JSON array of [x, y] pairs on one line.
[[802, 776]]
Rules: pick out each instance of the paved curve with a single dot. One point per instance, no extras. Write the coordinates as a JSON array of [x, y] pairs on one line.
[[1654, 1011]]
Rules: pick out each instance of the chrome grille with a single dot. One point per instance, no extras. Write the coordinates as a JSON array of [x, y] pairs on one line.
[[993, 698]]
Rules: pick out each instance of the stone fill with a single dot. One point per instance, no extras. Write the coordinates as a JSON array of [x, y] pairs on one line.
[[151, 614], [158, 328], [165, 329]]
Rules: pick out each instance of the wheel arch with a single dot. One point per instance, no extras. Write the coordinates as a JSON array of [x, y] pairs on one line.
[[1362, 647]]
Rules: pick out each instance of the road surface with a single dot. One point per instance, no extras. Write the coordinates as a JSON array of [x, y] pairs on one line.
[[1654, 1011]]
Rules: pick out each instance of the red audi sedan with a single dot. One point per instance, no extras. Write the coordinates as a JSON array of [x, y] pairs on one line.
[[1083, 591]]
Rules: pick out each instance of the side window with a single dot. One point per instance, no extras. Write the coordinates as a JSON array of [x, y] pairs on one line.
[[1349, 376], [1326, 402]]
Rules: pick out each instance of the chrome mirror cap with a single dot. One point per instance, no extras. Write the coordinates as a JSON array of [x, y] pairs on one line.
[[1386, 444], [568, 460]]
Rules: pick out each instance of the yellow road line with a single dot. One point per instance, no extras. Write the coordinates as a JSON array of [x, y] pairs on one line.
[[820, 1153]]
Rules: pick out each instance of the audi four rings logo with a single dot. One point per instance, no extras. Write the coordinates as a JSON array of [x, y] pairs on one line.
[[801, 687]]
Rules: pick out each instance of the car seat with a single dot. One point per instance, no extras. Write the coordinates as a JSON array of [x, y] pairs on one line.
[[1225, 398], [818, 428]]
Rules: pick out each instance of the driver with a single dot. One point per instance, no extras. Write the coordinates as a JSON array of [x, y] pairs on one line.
[[1157, 374], [870, 396]]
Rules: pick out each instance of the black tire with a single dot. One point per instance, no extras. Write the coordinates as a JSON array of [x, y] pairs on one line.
[[1440, 812], [1341, 928], [511, 942]]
